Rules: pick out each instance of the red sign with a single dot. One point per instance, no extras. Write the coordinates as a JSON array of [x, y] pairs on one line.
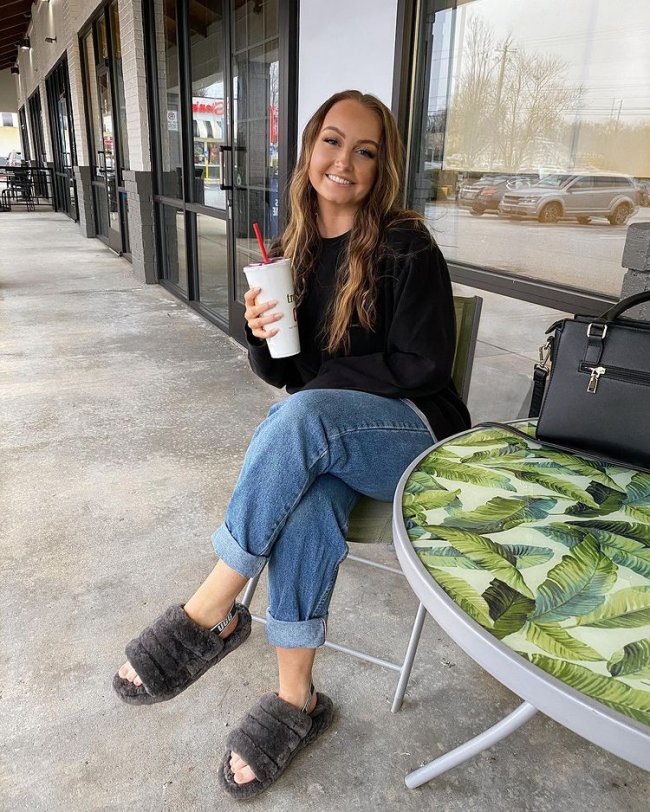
[[214, 108], [273, 124]]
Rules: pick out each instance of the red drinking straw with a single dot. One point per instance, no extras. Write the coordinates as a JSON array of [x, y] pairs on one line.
[[260, 242]]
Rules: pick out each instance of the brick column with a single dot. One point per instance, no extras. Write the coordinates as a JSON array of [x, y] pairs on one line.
[[141, 224], [636, 258], [138, 179]]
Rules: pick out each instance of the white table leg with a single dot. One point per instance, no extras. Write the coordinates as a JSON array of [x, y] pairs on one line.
[[470, 748]]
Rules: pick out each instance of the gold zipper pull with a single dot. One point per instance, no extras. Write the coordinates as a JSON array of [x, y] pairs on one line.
[[596, 372]]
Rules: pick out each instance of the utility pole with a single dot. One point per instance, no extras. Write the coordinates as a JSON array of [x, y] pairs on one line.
[[618, 115], [503, 50]]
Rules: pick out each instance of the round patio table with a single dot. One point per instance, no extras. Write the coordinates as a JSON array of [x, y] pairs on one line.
[[536, 563]]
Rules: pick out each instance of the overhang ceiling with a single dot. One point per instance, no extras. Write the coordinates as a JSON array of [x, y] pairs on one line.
[[13, 27]]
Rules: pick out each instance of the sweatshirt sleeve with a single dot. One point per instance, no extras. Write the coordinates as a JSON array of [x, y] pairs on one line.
[[418, 357], [275, 371]]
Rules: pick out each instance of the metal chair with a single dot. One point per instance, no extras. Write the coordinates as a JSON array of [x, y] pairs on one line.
[[371, 520]]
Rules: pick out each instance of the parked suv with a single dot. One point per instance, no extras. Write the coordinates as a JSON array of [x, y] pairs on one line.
[[486, 193], [615, 197]]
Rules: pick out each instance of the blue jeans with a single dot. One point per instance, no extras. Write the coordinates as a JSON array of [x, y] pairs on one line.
[[303, 472]]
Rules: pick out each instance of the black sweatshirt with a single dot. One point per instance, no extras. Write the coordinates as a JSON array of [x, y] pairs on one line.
[[408, 354]]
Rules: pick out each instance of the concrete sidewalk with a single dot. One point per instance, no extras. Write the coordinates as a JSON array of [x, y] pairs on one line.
[[124, 418]]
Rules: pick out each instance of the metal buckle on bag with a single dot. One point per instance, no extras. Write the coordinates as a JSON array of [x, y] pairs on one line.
[[544, 354], [597, 324]]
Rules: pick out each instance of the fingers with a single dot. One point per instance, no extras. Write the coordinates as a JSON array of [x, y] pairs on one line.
[[249, 296], [254, 315], [259, 326]]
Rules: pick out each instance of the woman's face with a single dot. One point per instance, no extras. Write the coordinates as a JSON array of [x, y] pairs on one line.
[[343, 165]]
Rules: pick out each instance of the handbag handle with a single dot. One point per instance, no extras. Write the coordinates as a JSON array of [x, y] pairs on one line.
[[625, 304]]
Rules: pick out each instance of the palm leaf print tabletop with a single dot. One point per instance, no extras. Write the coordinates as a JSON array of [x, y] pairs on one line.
[[548, 551]]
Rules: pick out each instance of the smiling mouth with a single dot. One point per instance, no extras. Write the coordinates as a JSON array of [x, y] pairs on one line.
[[339, 180]]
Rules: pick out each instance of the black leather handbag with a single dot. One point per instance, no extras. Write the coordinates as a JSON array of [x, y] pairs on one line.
[[597, 396]]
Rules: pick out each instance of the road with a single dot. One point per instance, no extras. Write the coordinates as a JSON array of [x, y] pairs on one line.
[[567, 253]]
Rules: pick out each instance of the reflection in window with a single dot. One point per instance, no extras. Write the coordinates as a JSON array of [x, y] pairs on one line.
[[208, 113], [119, 86], [166, 26], [255, 67], [532, 141], [173, 229], [212, 250], [93, 102], [509, 335]]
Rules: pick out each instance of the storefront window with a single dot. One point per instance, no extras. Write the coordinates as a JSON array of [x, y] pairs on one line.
[[36, 124], [24, 134], [212, 256], [94, 119], [116, 44], [530, 153], [255, 69], [102, 44], [510, 334], [171, 179], [175, 254], [208, 113]]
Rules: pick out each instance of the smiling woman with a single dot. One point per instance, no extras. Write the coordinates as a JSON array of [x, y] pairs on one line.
[[368, 389]]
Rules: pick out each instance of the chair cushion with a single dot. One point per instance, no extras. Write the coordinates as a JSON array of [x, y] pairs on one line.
[[371, 522]]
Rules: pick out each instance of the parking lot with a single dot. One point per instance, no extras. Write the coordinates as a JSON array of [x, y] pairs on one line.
[[586, 256]]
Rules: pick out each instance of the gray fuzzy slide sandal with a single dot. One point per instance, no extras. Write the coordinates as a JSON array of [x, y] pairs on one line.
[[270, 735], [173, 653]]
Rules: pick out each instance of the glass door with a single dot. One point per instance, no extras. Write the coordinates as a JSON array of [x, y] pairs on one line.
[[216, 83], [41, 171], [209, 140], [254, 90], [63, 145], [105, 170], [24, 134], [106, 121], [36, 122]]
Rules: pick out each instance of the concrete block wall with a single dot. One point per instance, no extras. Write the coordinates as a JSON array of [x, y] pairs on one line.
[[135, 84]]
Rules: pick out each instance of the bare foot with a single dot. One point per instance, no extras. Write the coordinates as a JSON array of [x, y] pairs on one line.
[[127, 671], [242, 773]]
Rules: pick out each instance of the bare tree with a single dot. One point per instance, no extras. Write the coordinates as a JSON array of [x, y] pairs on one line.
[[471, 107], [535, 101], [507, 103]]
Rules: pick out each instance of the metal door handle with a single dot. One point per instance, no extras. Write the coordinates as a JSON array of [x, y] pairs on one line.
[[224, 186]]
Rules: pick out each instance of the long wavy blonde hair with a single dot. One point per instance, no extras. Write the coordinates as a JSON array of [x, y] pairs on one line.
[[355, 294]]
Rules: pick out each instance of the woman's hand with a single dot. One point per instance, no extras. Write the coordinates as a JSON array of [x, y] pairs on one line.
[[254, 315]]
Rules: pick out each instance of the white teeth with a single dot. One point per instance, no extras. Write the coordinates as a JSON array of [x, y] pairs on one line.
[[341, 181]]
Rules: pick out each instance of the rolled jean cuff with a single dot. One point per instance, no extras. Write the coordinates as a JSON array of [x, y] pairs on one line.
[[296, 633], [229, 550]]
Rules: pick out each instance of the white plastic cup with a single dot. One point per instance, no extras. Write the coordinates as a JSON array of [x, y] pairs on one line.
[[276, 282]]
